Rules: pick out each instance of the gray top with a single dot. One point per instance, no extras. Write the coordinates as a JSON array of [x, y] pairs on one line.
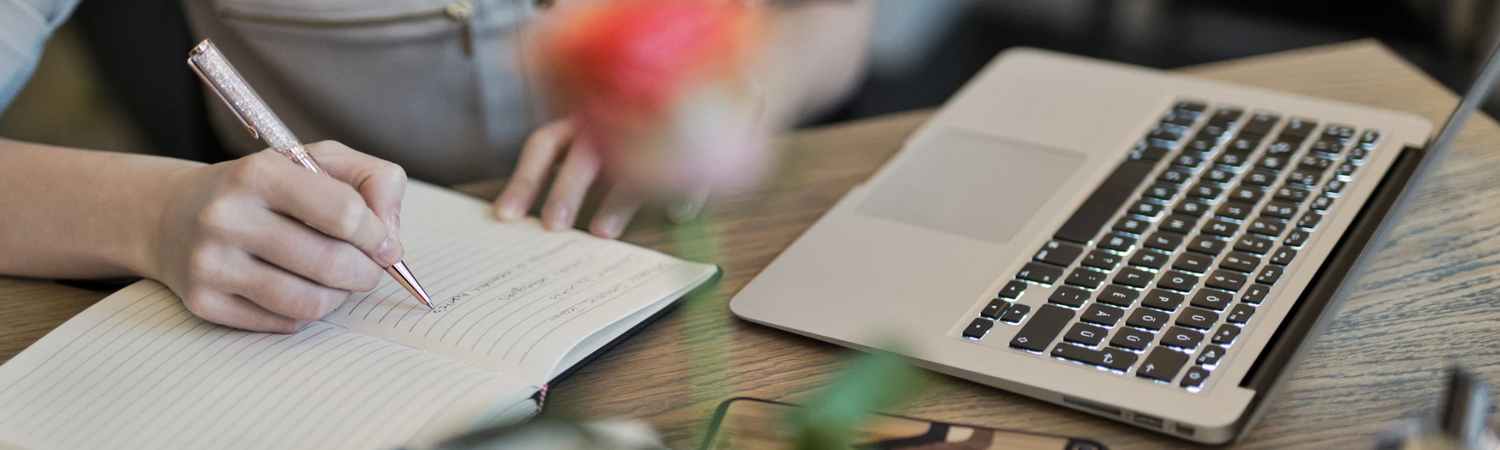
[[24, 28], [433, 85]]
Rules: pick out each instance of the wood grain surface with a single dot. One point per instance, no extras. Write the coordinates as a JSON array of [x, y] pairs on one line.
[[1430, 301]]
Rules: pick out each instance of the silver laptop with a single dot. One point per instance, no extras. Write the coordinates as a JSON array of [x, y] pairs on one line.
[[1141, 245]]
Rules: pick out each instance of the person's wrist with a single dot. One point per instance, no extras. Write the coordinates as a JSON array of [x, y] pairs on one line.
[[147, 230]]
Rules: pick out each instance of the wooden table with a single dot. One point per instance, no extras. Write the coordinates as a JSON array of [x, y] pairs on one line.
[[1430, 301]]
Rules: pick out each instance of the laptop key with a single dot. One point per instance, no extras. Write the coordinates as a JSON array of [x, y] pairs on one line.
[[1178, 223], [1102, 260], [1236, 211], [1197, 318], [1148, 259], [1255, 294], [1132, 339], [1326, 148], [1240, 314], [1132, 225], [1192, 207], [1206, 245], [1279, 210], [1069, 296], [1165, 241], [1203, 143], [1232, 160], [1134, 277], [1012, 290], [1314, 163], [1166, 134], [1148, 319], [1221, 228], [1193, 263], [1210, 355], [1303, 178], [1291, 194], [1253, 244], [1015, 314], [1040, 273], [1174, 176], [1177, 281], [1240, 262], [978, 328], [1204, 191], [1059, 253], [1226, 334], [1182, 338], [1274, 163], [1162, 191], [1269, 275], [1194, 378], [1283, 146], [995, 309], [1358, 155], [1342, 133], [1217, 176], [1212, 299], [1085, 334], [1267, 227], [1244, 143], [1260, 178], [1180, 118], [1261, 123], [1187, 161], [1090, 218], [1146, 209], [1334, 187], [1087, 278], [1283, 256], [1299, 127], [1103, 315], [1118, 295], [1162, 365], [1115, 359], [1227, 280], [1162, 299], [1117, 242], [1226, 114], [1321, 204], [1246, 194], [1345, 170], [1191, 105], [1369, 139], [1296, 238], [1043, 327], [1309, 220]]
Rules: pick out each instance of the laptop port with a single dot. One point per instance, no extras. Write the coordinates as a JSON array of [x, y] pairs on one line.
[[1186, 430], [1150, 421]]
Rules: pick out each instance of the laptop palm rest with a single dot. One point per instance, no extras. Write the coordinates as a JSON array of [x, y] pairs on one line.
[[972, 185]]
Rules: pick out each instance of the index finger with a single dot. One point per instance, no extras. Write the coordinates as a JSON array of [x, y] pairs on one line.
[[330, 206]]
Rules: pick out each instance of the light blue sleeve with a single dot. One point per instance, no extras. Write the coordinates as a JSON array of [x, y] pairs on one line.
[[25, 26]]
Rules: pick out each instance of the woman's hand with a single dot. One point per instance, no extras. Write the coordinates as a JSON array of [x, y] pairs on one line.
[[581, 167], [263, 244]]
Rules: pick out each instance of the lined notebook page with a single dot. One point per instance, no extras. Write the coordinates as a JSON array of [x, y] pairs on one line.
[[138, 371], [513, 297]]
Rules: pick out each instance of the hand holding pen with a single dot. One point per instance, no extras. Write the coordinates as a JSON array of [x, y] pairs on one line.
[[264, 244]]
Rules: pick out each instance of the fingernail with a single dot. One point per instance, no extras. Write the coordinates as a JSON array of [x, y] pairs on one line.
[[389, 252], [508, 210], [611, 227], [558, 216], [394, 222]]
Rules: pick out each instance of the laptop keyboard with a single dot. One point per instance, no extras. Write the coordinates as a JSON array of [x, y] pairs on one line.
[[1161, 290]]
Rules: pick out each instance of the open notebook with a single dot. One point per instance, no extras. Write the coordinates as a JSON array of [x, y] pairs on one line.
[[517, 306]]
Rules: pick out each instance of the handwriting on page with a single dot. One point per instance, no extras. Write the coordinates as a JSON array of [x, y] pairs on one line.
[[501, 287]]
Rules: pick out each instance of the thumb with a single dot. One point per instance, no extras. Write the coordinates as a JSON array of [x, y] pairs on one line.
[[381, 183]]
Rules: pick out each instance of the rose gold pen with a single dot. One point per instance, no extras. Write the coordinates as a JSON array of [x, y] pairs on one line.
[[221, 77]]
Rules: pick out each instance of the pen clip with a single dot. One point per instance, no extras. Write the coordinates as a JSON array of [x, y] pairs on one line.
[[192, 61]]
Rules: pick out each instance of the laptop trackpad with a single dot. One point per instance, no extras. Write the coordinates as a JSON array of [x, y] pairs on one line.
[[971, 185]]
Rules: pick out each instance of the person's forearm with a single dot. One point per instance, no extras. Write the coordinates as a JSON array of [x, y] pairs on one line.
[[67, 213], [819, 50]]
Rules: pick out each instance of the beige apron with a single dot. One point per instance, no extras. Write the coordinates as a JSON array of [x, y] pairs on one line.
[[433, 85]]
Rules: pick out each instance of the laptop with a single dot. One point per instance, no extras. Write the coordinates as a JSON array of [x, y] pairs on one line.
[[1140, 245]]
